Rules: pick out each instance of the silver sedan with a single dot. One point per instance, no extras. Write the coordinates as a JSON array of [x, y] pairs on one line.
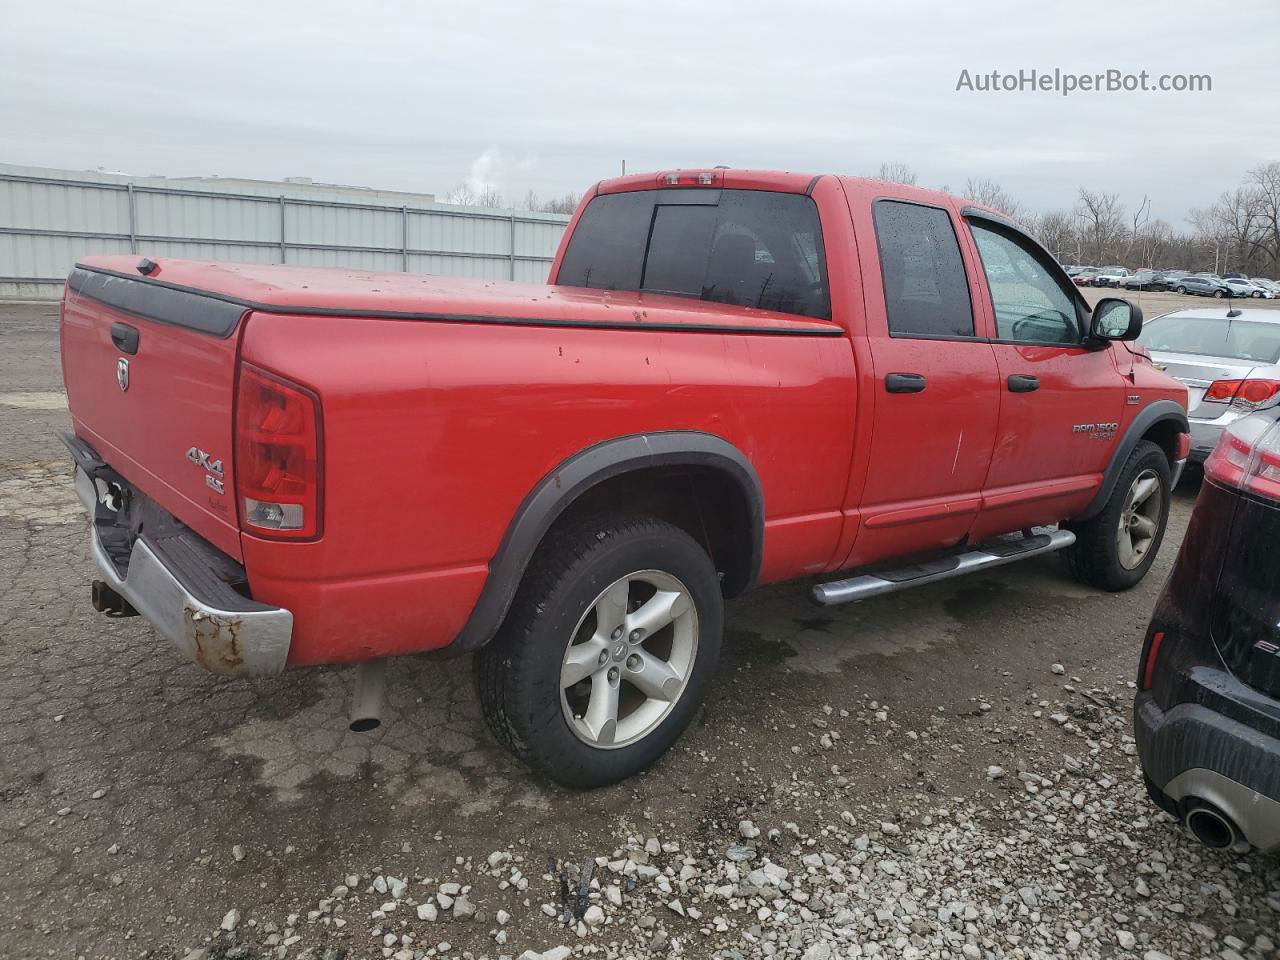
[[1229, 360]]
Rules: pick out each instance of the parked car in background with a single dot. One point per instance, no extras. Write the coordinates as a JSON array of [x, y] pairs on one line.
[[802, 375], [1229, 360], [1110, 276], [1084, 276], [1266, 284], [1234, 276], [1207, 711], [1169, 278], [1201, 286], [1241, 287], [1144, 280]]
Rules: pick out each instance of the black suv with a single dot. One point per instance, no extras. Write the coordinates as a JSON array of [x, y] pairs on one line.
[[1207, 715]]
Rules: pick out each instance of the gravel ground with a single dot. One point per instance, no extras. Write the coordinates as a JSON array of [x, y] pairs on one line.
[[943, 773]]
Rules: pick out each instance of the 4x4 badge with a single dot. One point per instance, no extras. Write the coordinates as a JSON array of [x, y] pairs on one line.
[[213, 469], [122, 373]]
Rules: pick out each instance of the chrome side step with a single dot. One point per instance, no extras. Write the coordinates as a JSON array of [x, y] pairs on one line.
[[982, 557]]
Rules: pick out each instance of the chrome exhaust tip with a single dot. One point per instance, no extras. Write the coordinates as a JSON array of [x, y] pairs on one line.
[[1211, 827], [367, 695]]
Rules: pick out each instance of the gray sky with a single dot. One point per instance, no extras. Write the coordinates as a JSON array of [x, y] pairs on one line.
[[553, 96]]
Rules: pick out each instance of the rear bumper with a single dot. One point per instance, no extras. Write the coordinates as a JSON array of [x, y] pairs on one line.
[[1205, 433], [187, 601], [1192, 752]]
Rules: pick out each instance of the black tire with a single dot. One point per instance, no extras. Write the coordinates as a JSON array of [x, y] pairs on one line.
[[518, 673], [1181, 290], [1095, 557], [1218, 294]]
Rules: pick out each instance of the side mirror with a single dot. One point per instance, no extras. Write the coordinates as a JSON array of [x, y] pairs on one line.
[[1115, 319]]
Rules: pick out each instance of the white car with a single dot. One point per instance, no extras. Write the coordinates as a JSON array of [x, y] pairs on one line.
[[1266, 284], [1228, 358], [1111, 277], [1241, 287]]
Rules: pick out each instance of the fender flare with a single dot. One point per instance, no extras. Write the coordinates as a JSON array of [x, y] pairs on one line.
[[565, 483], [1157, 412]]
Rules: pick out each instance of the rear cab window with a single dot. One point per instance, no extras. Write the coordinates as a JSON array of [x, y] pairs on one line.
[[748, 248]]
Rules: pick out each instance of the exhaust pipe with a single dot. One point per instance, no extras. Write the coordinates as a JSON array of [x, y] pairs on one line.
[[366, 696], [1211, 827], [105, 600]]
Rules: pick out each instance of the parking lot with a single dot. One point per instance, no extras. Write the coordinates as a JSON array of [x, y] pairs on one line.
[[946, 772]]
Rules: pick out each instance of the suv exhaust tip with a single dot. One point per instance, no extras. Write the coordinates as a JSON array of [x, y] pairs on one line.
[[105, 600], [1211, 827], [367, 694]]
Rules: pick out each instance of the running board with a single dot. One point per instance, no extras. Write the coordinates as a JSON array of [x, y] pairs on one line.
[[983, 557]]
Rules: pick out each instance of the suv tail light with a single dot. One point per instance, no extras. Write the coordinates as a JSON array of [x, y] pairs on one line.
[[1247, 457], [1246, 392], [278, 467], [1149, 661]]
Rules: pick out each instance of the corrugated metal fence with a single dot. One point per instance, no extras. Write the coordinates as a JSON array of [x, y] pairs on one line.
[[47, 222]]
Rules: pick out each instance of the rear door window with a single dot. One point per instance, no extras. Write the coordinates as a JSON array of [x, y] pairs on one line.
[[748, 248], [926, 291]]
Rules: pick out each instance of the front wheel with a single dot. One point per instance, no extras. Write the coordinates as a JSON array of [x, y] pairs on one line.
[[1115, 549], [1218, 294], [607, 651], [1181, 290]]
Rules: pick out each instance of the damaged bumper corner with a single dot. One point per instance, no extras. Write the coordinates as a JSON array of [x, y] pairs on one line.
[[248, 642]]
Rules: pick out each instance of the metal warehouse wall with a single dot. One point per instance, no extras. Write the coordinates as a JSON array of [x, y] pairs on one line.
[[49, 218]]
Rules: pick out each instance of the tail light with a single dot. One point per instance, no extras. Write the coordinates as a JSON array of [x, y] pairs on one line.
[[278, 464], [1247, 392], [1247, 457], [691, 178]]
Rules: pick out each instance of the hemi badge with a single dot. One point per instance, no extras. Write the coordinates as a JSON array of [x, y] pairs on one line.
[[1132, 400]]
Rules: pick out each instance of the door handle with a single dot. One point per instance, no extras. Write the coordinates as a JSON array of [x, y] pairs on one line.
[[904, 382], [125, 338], [1023, 383]]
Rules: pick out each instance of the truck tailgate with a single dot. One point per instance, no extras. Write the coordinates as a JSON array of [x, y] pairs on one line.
[[150, 373]]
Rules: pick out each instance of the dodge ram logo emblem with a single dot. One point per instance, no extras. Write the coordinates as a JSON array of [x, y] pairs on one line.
[[122, 373]]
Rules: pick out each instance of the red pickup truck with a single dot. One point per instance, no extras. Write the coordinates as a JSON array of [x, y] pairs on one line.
[[731, 378]]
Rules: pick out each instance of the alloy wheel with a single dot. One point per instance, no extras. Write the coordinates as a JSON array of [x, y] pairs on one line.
[[1140, 519], [629, 659]]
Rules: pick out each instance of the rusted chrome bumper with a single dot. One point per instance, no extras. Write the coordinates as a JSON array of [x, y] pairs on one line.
[[248, 642]]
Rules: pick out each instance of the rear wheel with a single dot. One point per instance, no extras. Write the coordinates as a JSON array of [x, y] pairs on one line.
[[1181, 290], [607, 651], [1115, 549]]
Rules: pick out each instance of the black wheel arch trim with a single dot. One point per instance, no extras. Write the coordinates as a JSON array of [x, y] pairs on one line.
[[575, 476], [1148, 417]]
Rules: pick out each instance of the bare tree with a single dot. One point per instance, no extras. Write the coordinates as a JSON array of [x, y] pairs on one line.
[[1236, 218], [1138, 223], [1102, 225], [1056, 230], [566, 204], [1264, 183], [465, 196], [991, 194], [896, 173]]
